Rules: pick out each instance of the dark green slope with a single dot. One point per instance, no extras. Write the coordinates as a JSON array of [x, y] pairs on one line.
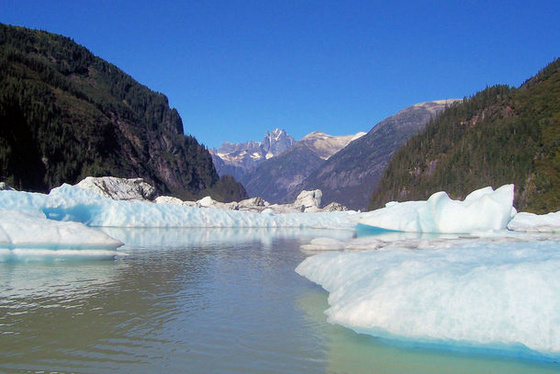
[[500, 135], [66, 114]]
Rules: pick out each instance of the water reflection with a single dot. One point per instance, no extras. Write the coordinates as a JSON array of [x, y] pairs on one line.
[[206, 300], [66, 316], [180, 237], [196, 301]]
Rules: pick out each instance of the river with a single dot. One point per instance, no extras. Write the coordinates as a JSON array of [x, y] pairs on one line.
[[198, 301]]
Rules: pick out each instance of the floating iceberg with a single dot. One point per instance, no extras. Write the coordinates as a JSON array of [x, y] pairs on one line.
[[477, 295], [482, 210], [24, 237], [70, 203]]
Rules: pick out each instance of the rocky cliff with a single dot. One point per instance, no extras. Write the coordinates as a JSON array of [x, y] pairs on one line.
[[66, 114]]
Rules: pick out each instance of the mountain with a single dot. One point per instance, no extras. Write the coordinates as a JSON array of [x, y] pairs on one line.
[[349, 176], [236, 159], [278, 179], [66, 114], [499, 136], [324, 145]]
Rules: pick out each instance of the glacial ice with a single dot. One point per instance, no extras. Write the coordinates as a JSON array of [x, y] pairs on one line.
[[70, 203], [482, 210], [490, 295], [494, 288], [25, 237], [530, 222]]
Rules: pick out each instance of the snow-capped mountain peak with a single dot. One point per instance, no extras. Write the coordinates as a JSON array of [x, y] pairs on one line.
[[238, 158]]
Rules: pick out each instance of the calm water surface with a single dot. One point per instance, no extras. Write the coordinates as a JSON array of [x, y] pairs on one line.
[[197, 301]]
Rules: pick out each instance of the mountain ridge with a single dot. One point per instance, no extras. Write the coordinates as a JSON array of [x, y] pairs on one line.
[[277, 179], [237, 159], [349, 176], [500, 135], [67, 114]]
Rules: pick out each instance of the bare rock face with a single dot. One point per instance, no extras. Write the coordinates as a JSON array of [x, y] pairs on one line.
[[135, 189], [119, 188], [308, 201]]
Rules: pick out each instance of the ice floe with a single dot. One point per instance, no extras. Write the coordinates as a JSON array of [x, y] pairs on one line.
[[483, 209], [70, 203], [25, 237], [495, 295]]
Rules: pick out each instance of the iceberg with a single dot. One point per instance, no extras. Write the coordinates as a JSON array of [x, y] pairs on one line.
[[530, 222], [482, 210], [24, 236], [71, 203], [475, 295]]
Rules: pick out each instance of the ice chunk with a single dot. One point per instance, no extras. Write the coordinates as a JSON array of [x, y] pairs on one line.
[[530, 222], [28, 202], [482, 210], [324, 244], [308, 201], [18, 229], [70, 203], [489, 295], [29, 237]]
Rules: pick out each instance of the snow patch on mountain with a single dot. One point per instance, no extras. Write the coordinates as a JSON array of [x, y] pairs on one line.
[[326, 145], [238, 158]]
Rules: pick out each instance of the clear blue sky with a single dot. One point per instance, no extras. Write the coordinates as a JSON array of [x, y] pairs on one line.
[[235, 69]]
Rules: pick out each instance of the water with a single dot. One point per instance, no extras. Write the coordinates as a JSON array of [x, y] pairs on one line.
[[198, 301]]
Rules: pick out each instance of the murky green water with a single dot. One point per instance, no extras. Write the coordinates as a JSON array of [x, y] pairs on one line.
[[197, 301]]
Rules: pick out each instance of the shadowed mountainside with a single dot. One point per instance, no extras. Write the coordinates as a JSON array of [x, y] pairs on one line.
[[66, 114], [349, 176]]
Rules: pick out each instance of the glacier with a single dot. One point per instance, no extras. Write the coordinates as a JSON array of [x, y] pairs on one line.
[[484, 210], [63, 224]]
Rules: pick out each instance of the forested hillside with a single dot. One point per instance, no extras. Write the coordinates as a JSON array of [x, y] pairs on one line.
[[66, 114], [500, 135]]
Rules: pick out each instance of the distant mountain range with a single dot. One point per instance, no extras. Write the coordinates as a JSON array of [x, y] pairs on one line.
[[345, 168], [279, 178], [66, 114], [237, 159]]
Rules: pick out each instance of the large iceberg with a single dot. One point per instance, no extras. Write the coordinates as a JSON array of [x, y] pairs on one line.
[[70, 203], [482, 210], [485, 295]]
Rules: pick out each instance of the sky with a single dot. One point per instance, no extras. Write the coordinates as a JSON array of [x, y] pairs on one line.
[[236, 69]]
